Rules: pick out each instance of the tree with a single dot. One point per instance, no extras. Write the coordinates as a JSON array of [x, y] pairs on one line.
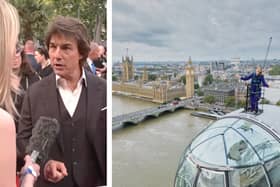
[[199, 92], [265, 101], [208, 80], [196, 86], [278, 103], [275, 70], [152, 77], [230, 101], [209, 99], [241, 104], [114, 78], [183, 79], [35, 15], [33, 18]]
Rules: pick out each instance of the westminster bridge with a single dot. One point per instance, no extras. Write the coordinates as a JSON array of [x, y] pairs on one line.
[[154, 112]]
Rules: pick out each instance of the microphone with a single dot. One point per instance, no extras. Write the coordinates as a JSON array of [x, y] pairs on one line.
[[43, 136]]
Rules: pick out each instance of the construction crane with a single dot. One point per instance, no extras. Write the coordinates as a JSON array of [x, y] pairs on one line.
[[267, 51]]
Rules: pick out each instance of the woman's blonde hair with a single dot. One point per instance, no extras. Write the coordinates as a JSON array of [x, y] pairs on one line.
[[9, 24]]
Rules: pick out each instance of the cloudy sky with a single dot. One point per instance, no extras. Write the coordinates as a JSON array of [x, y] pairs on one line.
[[163, 30]]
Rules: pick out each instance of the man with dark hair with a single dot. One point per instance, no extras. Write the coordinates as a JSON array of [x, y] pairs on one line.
[[77, 99]]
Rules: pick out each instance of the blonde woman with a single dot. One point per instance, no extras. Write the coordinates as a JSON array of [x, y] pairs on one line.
[[9, 25]]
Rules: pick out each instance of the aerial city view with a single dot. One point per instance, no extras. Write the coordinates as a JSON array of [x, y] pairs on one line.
[[195, 93]]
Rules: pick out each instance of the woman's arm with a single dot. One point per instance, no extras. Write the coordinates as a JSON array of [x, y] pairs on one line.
[[7, 150], [245, 78], [264, 82], [29, 172]]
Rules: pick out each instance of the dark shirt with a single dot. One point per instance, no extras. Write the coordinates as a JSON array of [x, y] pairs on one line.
[[46, 71], [33, 62]]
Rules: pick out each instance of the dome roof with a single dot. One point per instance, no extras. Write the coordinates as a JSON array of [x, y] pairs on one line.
[[237, 150]]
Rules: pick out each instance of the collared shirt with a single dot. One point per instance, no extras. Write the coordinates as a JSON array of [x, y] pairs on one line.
[[70, 98], [91, 65]]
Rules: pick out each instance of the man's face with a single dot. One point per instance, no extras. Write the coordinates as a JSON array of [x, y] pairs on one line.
[[29, 45], [17, 61], [94, 54], [39, 58], [64, 55]]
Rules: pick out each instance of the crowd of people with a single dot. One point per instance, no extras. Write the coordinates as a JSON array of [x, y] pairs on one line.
[[63, 80]]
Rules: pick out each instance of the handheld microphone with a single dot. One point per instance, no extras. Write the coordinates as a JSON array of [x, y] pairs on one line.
[[43, 136]]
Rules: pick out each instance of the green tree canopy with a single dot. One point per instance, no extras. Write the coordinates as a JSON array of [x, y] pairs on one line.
[[183, 79], [241, 104], [114, 78], [200, 92], [278, 103], [230, 101], [152, 77], [209, 99], [36, 14], [265, 101], [208, 80], [275, 70]]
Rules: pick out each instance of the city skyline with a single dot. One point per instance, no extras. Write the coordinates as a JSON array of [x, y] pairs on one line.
[[165, 30]]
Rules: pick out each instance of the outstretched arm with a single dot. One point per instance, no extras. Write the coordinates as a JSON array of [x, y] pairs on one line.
[[264, 82], [245, 78]]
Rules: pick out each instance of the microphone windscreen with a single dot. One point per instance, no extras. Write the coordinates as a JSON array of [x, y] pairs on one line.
[[43, 136]]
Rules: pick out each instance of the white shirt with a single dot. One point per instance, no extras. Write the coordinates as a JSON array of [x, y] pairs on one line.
[[70, 98], [89, 61]]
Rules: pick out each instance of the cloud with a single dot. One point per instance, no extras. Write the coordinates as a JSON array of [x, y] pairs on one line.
[[206, 30]]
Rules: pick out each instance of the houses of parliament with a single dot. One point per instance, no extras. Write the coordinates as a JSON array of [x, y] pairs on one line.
[[159, 91]]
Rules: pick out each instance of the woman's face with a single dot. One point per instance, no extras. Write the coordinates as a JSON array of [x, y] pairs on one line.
[[17, 61], [39, 58]]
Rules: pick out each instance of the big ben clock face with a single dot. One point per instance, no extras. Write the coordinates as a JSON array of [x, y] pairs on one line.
[[188, 72]]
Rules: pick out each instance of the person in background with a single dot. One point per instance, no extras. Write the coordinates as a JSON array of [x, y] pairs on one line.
[[77, 99], [29, 51], [101, 71], [42, 57], [9, 24], [26, 75], [257, 81], [92, 55], [22, 68]]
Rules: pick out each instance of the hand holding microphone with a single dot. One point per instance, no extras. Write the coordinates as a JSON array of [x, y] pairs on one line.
[[43, 136], [29, 172]]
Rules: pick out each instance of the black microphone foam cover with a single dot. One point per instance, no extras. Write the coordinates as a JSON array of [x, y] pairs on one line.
[[43, 136]]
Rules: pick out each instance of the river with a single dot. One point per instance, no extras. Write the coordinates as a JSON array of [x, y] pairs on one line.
[[147, 154]]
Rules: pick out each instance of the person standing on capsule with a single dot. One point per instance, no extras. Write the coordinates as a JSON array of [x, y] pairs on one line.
[[257, 81]]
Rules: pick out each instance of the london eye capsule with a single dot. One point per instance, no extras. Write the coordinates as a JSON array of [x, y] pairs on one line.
[[238, 150]]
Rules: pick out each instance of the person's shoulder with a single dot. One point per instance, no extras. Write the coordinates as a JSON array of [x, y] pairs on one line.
[[6, 122], [45, 81], [39, 87], [93, 78]]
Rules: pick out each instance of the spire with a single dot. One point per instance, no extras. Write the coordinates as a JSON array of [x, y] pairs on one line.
[[190, 61]]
